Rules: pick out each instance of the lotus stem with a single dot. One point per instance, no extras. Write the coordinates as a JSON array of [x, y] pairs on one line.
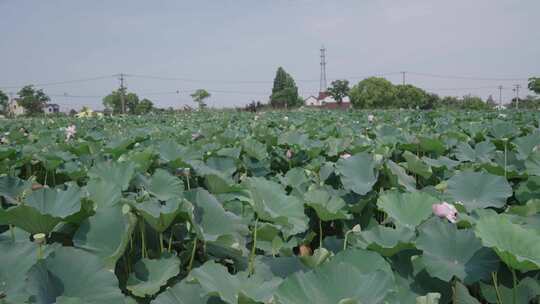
[[345, 241], [143, 241], [251, 268], [169, 249], [505, 158], [514, 290], [12, 232], [320, 234], [496, 285], [192, 254], [40, 252], [161, 247]]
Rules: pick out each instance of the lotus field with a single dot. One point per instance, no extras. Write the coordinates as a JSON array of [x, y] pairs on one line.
[[275, 207]]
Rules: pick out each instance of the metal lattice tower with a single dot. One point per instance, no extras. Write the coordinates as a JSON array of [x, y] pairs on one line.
[[323, 84]]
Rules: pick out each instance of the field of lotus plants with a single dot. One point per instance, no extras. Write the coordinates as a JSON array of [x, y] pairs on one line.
[[275, 207]]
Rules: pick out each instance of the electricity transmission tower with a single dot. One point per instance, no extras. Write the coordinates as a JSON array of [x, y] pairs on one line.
[[122, 92], [403, 77], [323, 84]]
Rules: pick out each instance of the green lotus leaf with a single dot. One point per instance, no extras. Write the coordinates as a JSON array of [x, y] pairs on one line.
[[327, 206], [416, 165], [357, 173], [518, 247], [462, 295], [184, 293], [434, 145], [164, 186], [530, 209], [401, 176], [272, 204], [211, 220], [55, 202], [527, 289], [280, 266], [215, 280], [29, 219], [441, 162], [503, 129], [347, 278], [529, 189], [102, 193], [255, 149], [533, 164], [407, 209], [15, 261], [106, 234], [11, 188], [385, 240], [525, 145], [159, 215], [449, 252], [482, 152], [479, 190], [150, 275], [116, 173], [70, 274]]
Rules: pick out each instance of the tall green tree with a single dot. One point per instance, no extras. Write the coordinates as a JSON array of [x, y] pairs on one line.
[[4, 100], [534, 84], [339, 89], [144, 106], [373, 92], [32, 100], [113, 102], [285, 91], [199, 96], [411, 97]]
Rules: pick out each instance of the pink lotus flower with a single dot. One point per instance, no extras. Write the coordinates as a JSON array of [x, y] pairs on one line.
[[445, 210], [289, 154], [345, 155], [70, 132]]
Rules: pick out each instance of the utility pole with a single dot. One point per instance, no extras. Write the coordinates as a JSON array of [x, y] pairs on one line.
[[403, 77], [516, 89], [500, 96], [323, 84], [122, 92]]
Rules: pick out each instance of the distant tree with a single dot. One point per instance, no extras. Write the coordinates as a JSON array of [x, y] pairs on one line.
[[411, 97], [285, 91], [529, 102], [449, 101], [199, 96], [373, 92], [144, 106], [471, 102], [32, 100], [4, 100], [491, 101], [113, 102], [432, 101], [72, 112], [534, 84], [339, 89]]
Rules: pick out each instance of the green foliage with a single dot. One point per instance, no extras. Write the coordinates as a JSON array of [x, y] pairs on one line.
[[339, 89], [32, 100], [4, 99], [534, 84], [284, 91], [373, 92], [199, 96], [113, 102], [139, 206]]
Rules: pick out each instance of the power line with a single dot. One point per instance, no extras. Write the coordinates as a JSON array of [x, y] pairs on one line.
[[466, 77], [60, 82]]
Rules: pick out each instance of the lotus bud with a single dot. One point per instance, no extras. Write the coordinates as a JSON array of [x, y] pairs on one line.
[[345, 155], [70, 132], [304, 250], [371, 118], [445, 210], [442, 186], [286, 118], [289, 154], [39, 238]]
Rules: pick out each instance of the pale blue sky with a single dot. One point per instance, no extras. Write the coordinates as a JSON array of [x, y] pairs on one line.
[[225, 44]]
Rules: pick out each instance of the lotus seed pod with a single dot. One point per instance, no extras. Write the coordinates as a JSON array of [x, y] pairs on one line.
[[443, 186], [39, 238], [357, 228]]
